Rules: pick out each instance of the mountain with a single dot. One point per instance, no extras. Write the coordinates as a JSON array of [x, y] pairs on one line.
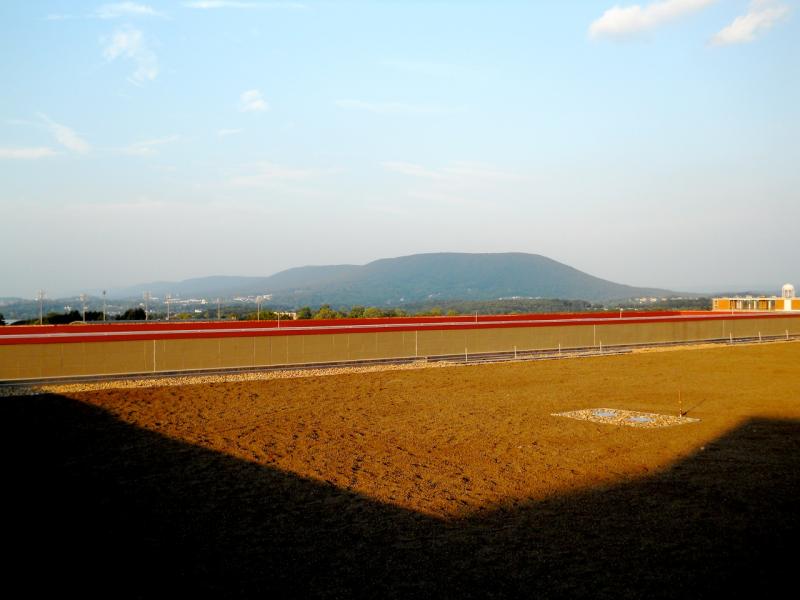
[[415, 278]]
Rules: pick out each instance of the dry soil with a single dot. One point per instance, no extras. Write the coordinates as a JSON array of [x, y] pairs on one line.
[[429, 482]]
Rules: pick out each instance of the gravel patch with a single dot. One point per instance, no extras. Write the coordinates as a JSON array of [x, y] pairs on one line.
[[150, 382], [628, 418]]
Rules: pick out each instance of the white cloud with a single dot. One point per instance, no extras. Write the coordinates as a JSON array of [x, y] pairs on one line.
[[65, 136], [212, 4], [125, 9], [26, 153], [147, 147], [388, 209], [761, 16], [480, 171], [252, 101], [267, 174], [131, 44], [430, 68], [116, 10], [227, 132], [459, 183], [461, 170], [411, 169], [621, 21], [389, 108]]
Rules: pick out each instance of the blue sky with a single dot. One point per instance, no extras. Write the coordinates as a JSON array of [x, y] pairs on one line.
[[651, 143]]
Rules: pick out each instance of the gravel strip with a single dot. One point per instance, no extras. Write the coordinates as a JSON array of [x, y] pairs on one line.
[[628, 418], [148, 382]]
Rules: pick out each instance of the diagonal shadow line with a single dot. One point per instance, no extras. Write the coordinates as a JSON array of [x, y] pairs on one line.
[[102, 507]]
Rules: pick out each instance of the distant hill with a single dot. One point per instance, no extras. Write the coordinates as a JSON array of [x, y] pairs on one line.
[[409, 279]]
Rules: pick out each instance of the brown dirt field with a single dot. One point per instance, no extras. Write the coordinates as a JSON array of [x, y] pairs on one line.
[[432, 482]]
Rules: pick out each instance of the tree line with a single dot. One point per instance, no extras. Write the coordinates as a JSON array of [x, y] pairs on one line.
[[73, 316], [327, 312]]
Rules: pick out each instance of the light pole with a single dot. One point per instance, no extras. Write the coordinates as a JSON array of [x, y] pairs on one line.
[[40, 297], [104, 306], [83, 307], [168, 299], [218, 301], [258, 307], [146, 305]]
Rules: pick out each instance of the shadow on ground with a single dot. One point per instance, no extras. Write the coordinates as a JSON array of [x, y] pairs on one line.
[[101, 507]]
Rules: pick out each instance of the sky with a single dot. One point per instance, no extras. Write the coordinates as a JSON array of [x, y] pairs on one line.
[[653, 143]]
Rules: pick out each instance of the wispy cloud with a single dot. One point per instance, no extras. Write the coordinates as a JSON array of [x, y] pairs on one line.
[[481, 172], [148, 147], [227, 132], [390, 209], [131, 44], [423, 67], [26, 153], [761, 16], [268, 174], [20, 122], [125, 9], [411, 169], [252, 101], [390, 108], [454, 171], [65, 136], [214, 4], [459, 183], [620, 21], [115, 10]]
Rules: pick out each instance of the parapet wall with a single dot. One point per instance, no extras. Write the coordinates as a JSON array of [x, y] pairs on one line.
[[76, 351]]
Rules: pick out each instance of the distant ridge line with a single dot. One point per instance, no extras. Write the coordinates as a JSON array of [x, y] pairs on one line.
[[411, 279]]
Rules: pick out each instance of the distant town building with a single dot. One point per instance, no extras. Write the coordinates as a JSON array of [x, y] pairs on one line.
[[785, 302]]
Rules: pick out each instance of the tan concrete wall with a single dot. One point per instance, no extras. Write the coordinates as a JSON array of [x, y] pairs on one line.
[[98, 358]]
